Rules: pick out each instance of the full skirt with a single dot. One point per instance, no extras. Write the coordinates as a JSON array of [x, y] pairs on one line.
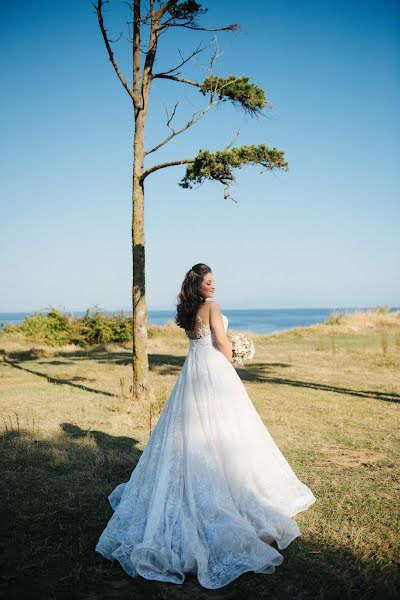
[[211, 491]]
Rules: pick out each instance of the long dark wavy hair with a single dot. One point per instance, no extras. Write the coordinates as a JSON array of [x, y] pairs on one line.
[[189, 298]]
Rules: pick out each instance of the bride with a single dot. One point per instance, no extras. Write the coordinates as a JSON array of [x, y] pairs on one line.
[[211, 491]]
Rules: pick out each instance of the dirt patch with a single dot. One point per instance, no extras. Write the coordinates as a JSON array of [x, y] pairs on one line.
[[348, 457]]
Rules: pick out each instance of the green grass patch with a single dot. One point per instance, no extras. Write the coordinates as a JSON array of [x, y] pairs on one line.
[[70, 434]]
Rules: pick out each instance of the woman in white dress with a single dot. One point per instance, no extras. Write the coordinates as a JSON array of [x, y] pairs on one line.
[[211, 491]]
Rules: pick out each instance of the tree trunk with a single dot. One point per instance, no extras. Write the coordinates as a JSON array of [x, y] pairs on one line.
[[140, 365]]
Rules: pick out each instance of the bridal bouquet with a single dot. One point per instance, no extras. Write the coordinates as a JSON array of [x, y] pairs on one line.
[[242, 348]]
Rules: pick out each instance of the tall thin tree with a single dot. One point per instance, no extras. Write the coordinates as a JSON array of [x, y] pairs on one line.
[[159, 17]]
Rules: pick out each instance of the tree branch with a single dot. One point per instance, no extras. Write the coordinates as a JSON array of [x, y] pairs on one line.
[[185, 60], [187, 12], [233, 141], [151, 54], [172, 116], [196, 117], [98, 7], [175, 78], [164, 7], [233, 27], [171, 163], [219, 165]]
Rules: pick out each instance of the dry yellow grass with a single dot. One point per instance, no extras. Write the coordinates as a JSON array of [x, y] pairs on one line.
[[328, 394]]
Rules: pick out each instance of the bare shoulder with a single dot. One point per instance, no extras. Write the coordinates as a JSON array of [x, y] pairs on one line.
[[214, 306]]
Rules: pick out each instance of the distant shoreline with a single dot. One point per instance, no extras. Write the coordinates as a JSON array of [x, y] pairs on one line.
[[129, 310], [263, 321]]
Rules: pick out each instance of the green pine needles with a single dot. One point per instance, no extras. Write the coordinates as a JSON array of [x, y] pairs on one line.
[[237, 89], [219, 165]]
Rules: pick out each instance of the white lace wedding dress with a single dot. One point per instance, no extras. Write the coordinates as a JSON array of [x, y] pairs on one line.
[[211, 490]]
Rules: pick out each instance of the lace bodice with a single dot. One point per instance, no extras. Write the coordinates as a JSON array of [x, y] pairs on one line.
[[203, 329]]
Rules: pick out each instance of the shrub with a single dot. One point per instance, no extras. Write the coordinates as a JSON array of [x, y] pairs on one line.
[[58, 329], [334, 319], [52, 329], [382, 310], [99, 328]]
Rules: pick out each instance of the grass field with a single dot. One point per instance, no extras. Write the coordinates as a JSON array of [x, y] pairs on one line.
[[328, 394]]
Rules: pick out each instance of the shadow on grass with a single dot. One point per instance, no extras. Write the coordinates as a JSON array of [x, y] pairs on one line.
[[60, 380], [103, 440], [168, 364], [55, 506], [54, 499], [258, 372]]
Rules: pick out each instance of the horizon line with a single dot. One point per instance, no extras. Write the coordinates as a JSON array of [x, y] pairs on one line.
[[129, 309]]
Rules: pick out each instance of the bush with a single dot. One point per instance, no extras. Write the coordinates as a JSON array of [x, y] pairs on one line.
[[99, 328], [334, 319], [52, 329], [58, 329], [382, 310]]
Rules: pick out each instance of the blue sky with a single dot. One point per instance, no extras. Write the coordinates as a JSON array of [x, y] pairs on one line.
[[323, 234]]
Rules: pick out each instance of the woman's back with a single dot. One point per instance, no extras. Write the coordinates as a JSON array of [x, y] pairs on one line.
[[202, 323]]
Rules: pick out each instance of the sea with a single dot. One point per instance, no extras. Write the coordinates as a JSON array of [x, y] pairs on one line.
[[256, 320]]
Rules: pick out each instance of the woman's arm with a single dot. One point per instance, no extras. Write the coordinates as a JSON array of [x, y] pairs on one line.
[[217, 325]]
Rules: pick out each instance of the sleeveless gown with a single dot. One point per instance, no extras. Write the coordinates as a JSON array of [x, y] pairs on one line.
[[211, 490]]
